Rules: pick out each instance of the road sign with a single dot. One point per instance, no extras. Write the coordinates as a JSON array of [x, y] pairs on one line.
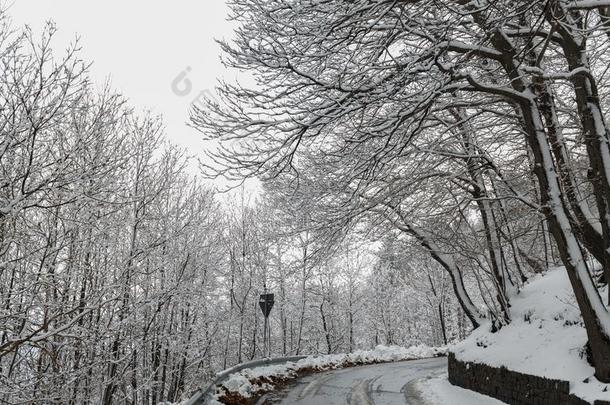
[[266, 303]]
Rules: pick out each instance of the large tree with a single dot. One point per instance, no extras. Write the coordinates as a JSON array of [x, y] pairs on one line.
[[358, 87]]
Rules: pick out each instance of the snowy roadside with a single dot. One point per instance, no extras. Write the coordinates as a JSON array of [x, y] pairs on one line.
[[247, 385], [439, 391]]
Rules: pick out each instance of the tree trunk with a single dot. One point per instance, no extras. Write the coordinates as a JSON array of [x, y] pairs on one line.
[[445, 260], [590, 113]]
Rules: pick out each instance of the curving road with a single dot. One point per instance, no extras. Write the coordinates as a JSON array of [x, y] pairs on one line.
[[379, 384]]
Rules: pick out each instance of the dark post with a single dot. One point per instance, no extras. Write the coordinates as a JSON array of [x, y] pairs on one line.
[[266, 302]]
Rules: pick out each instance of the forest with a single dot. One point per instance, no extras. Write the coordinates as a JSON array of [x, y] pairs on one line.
[[417, 162]]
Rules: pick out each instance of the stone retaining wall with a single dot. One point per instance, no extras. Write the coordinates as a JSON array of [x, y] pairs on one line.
[[512, 387]]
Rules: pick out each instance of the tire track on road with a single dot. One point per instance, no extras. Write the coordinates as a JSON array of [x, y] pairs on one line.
[[361, 392]]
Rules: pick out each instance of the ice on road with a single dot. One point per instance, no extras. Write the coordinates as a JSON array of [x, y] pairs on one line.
[[379, 384]]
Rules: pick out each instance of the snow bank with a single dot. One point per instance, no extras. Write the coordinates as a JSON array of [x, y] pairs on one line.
[[439, 391], [255, 381], [545, 338], [380, 354]]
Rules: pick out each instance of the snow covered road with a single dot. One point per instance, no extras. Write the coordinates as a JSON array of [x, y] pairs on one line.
[[379, 384]]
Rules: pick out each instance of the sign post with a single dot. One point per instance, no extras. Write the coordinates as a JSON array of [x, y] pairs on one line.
[[266, 302]]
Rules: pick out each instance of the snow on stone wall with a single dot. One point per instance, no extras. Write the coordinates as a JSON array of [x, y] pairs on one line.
[[512, 387]]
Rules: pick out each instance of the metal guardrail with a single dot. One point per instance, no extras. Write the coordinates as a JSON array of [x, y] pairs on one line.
[[204, 394]]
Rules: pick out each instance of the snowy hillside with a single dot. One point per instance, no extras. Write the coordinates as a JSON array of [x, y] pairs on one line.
[[546, 337]]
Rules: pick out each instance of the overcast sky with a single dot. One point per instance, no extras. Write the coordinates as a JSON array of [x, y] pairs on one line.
[[142, 46]]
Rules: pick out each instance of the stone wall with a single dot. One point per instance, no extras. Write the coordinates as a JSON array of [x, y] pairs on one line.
[[512, 387]]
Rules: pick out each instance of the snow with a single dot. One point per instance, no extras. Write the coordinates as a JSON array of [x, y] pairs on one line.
[[244, 383], [545, 338], [439, 391], [379, 354]]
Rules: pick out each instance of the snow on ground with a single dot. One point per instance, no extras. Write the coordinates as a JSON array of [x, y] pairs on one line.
[[379, 354], [439, 391], [545, 338], [248, 381]]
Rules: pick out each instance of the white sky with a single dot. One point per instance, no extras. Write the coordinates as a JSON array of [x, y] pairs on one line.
[[142, 46]]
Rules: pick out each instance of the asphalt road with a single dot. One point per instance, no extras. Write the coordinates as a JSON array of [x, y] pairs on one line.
[[379, 384]]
